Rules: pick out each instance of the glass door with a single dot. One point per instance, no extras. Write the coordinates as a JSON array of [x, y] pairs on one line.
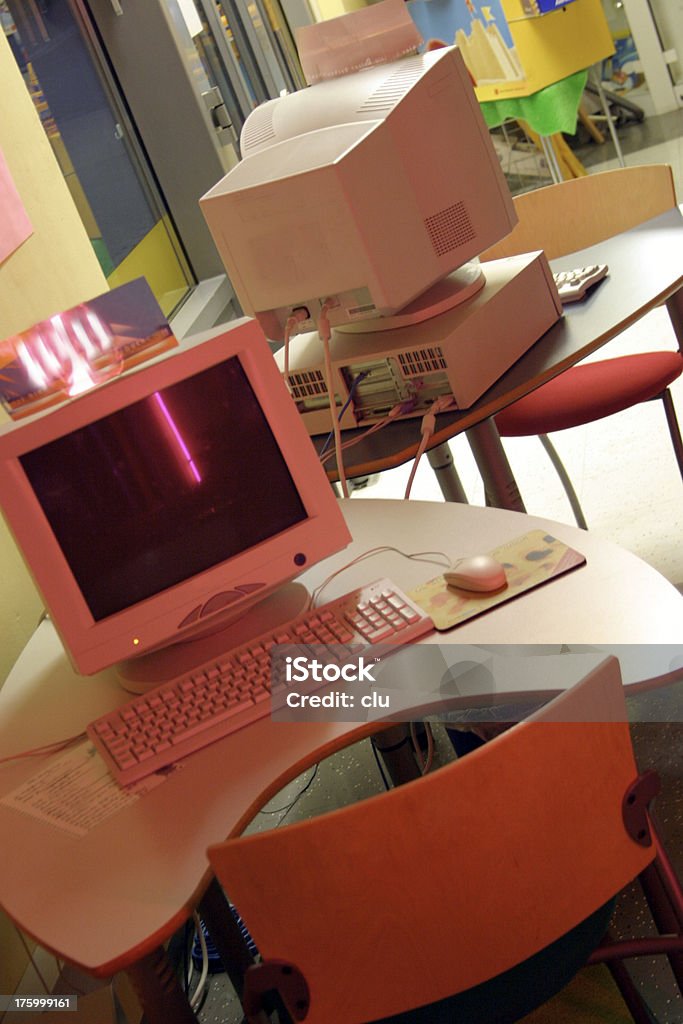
[[266, 28], [668, 22], [228, 64], [648, 40], [97, 148], [251, 46]]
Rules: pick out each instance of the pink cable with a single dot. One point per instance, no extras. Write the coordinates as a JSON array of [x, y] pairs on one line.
[[324, 332], [441, 404]]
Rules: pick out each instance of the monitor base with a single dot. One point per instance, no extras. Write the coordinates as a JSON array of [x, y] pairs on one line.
[[137, 675], [457, 287]]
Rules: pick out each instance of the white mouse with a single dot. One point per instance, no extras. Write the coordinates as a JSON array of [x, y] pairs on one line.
[[480, 573]]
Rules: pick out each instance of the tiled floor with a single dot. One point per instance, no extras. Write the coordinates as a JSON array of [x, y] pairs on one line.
[[627, 479]]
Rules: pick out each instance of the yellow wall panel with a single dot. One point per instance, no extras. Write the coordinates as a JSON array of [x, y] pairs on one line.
[[54, 269], [335, 8], [154, 259]]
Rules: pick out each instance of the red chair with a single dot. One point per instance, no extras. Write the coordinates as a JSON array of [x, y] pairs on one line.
[[561, 219]]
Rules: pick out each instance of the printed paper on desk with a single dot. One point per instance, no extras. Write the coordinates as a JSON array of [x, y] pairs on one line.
[[529, 561], [75, 792]]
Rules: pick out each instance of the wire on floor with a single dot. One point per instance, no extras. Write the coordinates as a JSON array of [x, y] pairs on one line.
[[288, 807], [199, 992], [424, 762]]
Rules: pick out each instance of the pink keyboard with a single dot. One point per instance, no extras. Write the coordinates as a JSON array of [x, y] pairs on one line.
[[177, 718]]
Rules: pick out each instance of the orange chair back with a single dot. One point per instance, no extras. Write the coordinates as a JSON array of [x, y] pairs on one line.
[[574, 214], [438, 885]]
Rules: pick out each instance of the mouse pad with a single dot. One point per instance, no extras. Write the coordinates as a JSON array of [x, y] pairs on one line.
[[529, 561]]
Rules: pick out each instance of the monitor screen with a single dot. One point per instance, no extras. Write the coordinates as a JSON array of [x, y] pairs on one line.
[[165, 488], [167, 497]]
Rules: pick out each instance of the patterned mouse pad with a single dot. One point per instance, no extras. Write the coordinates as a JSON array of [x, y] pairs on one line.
[[529, 561]]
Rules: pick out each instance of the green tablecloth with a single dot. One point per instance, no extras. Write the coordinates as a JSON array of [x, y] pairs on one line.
[[550, 110]]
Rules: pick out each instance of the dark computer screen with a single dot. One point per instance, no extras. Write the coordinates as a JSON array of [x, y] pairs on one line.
[[164, 488]]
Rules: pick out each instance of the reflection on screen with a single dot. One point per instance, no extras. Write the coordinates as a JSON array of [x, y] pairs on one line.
[[165, 488]]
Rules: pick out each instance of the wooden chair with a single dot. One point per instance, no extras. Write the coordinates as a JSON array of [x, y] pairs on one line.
[[472, 894], [560, 219]]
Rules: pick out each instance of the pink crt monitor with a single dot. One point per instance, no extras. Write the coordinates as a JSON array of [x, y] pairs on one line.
[[166, 502]]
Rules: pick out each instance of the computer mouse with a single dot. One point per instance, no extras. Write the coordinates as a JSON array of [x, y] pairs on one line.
[[479, 573]]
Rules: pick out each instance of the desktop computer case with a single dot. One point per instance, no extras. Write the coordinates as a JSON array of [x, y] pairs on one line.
[[462, 352]]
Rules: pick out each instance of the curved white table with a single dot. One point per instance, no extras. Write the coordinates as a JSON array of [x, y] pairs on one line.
[[107, 901]]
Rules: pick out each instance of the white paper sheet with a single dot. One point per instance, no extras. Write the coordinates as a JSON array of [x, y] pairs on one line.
[[75, 792]]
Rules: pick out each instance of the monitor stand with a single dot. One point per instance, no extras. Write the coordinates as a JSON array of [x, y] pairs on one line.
[[451, 291], [137, 675]]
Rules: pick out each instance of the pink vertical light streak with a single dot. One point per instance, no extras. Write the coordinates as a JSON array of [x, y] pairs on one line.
[[177, 436]]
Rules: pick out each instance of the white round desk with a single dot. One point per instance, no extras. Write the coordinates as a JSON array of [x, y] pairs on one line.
[[108, 900]]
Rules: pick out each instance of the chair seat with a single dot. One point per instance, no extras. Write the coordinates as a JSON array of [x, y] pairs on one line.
[[589, 392]]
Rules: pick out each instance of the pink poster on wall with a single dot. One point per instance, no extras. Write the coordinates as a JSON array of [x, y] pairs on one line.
[[15, 227]]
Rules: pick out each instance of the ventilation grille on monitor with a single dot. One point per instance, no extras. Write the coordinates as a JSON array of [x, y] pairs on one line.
[[450, 228], [258, 129], [394, 87], [307, 385], [421, 360]]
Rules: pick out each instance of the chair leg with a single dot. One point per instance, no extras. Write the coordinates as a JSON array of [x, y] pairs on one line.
[[674, 428], [565, 481], [629, 993], [226, 935], [664, 896]]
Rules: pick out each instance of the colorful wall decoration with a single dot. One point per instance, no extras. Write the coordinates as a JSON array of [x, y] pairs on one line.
[[512, 47]]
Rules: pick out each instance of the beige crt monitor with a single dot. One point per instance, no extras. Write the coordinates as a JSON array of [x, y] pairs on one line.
[[365, 189]]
